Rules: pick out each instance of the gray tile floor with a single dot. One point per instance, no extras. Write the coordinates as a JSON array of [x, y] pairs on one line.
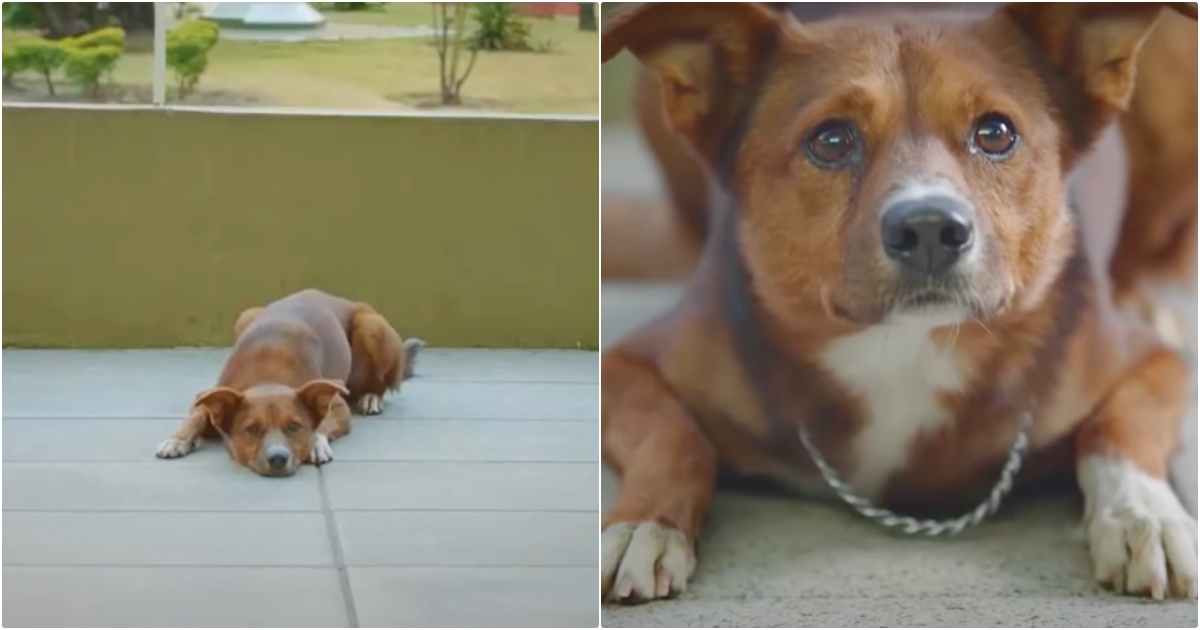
[[470, 502]]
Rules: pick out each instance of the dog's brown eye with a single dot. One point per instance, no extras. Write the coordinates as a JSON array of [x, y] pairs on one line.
[[292, 427], [833, 144], [995, 136], [253, 430]]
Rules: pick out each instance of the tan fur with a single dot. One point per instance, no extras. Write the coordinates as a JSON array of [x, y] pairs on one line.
[[297, 364], [797, 246]]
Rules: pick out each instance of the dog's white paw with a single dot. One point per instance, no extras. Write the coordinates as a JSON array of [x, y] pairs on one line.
[[1142, 540], [172, 448], [370, 404], [644, 561], [322, 452]]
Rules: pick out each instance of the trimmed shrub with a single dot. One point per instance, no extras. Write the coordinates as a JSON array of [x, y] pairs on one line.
[[187, 52], [93, 56], [86, 66], [112, 36], [41, 56]]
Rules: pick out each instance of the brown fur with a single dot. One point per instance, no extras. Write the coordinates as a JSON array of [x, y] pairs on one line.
[[789, 264], [298, 365]]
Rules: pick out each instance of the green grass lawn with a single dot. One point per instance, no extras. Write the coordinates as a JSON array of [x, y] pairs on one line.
[[382, 74]]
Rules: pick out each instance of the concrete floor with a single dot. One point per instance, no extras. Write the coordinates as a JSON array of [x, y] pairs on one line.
[[780, 561], [471, 502]]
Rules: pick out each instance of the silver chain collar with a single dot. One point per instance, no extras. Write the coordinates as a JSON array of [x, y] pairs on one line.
[[913, 526]]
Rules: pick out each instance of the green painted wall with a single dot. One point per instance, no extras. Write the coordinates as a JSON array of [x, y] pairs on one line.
[[155, 228]]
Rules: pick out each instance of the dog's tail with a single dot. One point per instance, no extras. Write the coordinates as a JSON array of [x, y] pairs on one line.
[[412, 346]]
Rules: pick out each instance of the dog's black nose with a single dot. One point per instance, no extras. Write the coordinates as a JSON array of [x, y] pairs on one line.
[[278, 459], [927, 235]]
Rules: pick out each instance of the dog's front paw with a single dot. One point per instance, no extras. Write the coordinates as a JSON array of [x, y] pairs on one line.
[[370, 404], [172, 448], [321, 452], [644, 561], [1142, 540]]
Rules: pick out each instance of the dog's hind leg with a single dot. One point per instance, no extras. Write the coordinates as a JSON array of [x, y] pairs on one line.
[[380, 359], [1141, 537], [668, 473]]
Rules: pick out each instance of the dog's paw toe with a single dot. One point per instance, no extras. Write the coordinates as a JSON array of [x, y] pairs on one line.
[[322, 452], [644, 561], [172, 448], [1139, 552], [370, 404]]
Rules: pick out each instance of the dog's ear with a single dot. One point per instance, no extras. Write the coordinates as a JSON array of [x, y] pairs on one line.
[[318, 395], [706, 57], [221, 403], [1087, 54]]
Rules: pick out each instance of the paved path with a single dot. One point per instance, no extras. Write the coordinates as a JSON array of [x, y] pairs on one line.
[[471, 502]]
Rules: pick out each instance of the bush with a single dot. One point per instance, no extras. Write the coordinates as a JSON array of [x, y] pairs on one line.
[[41, 56], [11, 66], [354, 6], [112, 36], [85, 66], [500, 27], [187, 52]]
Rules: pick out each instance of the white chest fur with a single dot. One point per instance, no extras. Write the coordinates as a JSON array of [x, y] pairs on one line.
[[897, 373]]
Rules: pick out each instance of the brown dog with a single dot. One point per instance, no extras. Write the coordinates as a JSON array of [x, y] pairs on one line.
[[287, 388], [895, 299]]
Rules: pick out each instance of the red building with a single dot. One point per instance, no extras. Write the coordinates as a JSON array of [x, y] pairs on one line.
[[548, 9]]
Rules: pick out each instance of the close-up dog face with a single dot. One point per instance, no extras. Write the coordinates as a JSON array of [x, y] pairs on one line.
[[887, 175], [269, 428], [888, 167]]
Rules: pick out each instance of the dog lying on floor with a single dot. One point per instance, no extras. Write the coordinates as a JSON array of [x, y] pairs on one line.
[[286, 391], [895, 302]]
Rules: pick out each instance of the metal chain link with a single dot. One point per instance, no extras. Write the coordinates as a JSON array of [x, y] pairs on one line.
[[913, 526]]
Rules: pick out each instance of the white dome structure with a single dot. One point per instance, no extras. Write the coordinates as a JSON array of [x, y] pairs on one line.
[[250, 15]]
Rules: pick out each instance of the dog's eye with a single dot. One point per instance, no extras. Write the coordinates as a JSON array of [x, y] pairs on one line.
[[292, 427], [995, 136], [253, 430], [833, 144]]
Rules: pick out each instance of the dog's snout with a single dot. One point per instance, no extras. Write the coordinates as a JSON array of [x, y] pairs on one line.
[[278, 457], [927, 235]]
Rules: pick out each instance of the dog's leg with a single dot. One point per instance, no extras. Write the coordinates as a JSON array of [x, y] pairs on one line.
[[379, 359], [334, 425], [668, 472], [184, 439], [1142, 539]]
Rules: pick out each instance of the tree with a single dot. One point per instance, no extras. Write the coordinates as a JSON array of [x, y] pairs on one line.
[[58, 20], [450, 49], [587, 16]]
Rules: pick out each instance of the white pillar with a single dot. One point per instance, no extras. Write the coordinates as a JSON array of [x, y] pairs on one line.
[[161, 13]]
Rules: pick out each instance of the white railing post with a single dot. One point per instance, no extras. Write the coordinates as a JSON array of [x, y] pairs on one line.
[[161, 10]]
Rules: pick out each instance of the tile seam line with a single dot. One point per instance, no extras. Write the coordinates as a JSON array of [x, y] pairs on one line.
[[93, 418], [339, 556], [60, 462], [101, 565], [296, 511]]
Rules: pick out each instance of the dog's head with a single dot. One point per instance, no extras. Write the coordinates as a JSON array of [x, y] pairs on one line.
[[269, 428], [889, 167]]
